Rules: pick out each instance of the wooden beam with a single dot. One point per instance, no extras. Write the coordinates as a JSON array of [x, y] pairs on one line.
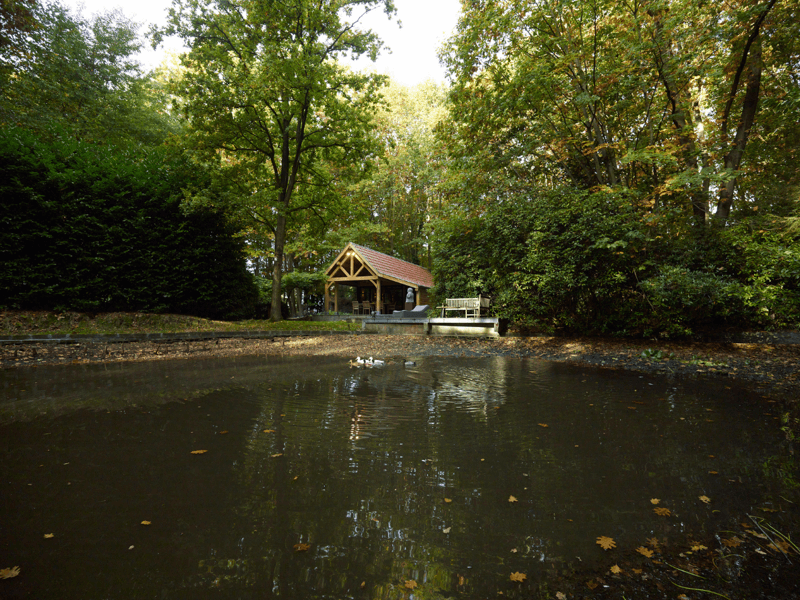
[[363, 278]]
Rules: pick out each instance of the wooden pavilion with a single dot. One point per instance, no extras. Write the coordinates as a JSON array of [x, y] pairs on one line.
[[381, 281]]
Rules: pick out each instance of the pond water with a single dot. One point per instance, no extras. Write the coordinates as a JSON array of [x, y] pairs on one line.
[[323, 481]]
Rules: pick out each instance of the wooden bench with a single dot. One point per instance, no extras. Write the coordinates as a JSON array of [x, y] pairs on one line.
[[472, 307]]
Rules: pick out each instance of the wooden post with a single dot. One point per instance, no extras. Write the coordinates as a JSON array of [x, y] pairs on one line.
[[336, 298], [327, 297], [378, 301]]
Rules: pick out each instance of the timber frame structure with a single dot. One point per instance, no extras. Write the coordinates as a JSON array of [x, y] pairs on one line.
[[381, 281]]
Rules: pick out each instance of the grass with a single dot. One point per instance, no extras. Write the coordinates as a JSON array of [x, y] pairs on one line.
[[37, 322]]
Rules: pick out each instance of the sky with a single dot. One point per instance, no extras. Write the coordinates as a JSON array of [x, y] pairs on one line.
[[425, 25]]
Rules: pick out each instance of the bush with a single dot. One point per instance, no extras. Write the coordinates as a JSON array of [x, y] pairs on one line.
[[98, 228]]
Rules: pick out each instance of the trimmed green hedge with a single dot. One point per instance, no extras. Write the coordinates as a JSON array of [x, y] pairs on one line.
[[101, 228]]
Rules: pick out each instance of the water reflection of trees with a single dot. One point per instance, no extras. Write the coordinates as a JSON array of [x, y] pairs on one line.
[[359, 464]]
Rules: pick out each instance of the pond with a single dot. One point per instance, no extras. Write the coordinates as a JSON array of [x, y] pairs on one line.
[[307, 478]]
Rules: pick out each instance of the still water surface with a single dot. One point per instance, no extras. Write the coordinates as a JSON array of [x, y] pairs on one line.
[[403, 473]]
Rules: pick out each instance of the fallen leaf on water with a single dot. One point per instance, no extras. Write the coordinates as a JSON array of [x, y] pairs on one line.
[[446, 530], [758, 535], [301, 547], [47, 536], [760, 551], [9, 573], [606, 543], [732, 542], [654, 500], [269, 431], [663, 512], [512, 499], [514, 550], [616, 570], [646, 552], [705, 499], [637, 571], [145, 522], [518, 577], [543, 425], [561, 596], [223, 432], [199, 451], [769, 509], [276, 455], [698, 547], [411, 584], [713, 472], [363, 584], [652, 542], [591, 584], [782, 545], [448, 500]]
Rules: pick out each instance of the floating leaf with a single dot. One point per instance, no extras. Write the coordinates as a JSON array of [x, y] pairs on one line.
[[199, 451], [411, 584], [662, 512], [652, 542], [591, 584], [520, 577], [145, 522], [276, 455], [654, 500], [512, 499], [637, 571], [646, 552], [543, 425], [698, 547], [705, 499], [606, 543], [448, 500], [47, 536], [269, 431], [446, 530], [9, 573], [301, 547], [561, 596], [514, 550], [713, 472], [223, 432], [615, 570], [732, 542]]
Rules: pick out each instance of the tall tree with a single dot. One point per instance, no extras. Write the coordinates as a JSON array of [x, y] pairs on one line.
[[262, 85], [660, 96]]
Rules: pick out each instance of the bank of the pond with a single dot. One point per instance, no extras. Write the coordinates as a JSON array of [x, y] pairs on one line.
[[772, 368]]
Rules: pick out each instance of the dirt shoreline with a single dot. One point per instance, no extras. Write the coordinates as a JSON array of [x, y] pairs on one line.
[[772, 369]]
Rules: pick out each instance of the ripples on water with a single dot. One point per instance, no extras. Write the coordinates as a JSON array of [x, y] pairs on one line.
[[389, 475]]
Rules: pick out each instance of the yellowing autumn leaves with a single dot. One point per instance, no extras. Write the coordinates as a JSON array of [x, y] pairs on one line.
[[9, 573], [606, 543]]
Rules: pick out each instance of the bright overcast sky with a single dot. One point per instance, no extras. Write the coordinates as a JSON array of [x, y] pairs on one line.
[[426, 24]]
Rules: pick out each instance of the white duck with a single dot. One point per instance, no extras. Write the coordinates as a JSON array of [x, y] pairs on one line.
[[376, 362]]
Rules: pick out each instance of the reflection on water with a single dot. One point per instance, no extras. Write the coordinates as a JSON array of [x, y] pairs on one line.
[[321, 481]]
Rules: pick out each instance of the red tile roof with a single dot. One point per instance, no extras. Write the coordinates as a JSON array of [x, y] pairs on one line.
[[394, 268]]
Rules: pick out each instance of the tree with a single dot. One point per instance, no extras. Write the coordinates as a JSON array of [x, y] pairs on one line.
[[262, 86], [402, 188], [660, 96], [82, 75]]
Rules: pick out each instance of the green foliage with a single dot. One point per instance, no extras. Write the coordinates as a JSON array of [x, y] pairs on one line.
[[81, 74], [587, 262], [98, 228], [262, 86]]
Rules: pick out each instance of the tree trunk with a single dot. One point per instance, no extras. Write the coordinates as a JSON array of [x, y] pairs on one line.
[[277, 268], [733, 159]]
